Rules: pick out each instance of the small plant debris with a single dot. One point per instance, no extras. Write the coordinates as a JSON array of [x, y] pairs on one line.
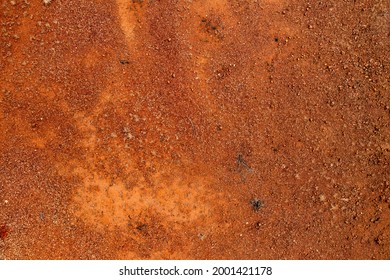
[[212, 27], [243, 167], [142, 227], [256, 204], [241, 162], [201, 236]]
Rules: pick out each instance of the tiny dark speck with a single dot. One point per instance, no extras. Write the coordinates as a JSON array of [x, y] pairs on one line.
[[122, 61]]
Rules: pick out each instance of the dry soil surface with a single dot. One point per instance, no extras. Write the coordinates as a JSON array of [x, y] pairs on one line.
[[194, 129]]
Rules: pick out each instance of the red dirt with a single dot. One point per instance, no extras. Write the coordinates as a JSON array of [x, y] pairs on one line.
[[194, 129]]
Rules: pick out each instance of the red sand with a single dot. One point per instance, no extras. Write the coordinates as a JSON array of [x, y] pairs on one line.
[[194, 129]]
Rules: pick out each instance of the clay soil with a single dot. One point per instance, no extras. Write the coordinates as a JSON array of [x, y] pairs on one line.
[[194, 129]]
